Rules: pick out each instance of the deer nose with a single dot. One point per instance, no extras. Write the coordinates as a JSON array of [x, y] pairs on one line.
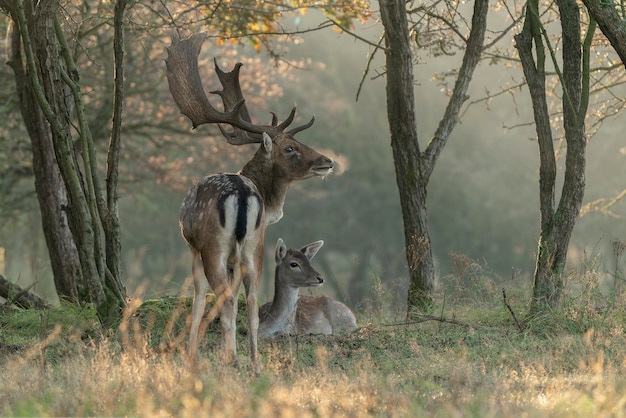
[[330, 162], [320, 280]]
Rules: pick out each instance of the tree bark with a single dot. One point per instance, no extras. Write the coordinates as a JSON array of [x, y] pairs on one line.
[[21, 297], [49, 186], [413, 168], [611, 24], [556, 226], [51, 82], [406, 152]]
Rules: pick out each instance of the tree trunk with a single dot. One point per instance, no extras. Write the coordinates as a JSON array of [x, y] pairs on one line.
[[406, 153], [50, 83], [556, 226], [413, 168], [49, 188]]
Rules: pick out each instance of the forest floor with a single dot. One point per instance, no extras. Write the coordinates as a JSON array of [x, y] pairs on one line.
[[468, 358]]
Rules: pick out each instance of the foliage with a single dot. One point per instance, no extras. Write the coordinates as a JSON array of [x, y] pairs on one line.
[[482, 197], [566, 363]]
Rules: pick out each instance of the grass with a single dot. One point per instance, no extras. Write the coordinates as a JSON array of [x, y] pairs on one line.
[[566, 363]]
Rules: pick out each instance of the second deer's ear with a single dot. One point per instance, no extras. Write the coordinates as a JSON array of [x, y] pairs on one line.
[[281, 250], [267, 144], [311, 249]]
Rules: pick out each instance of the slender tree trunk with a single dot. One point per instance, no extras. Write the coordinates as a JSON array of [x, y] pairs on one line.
[[556, 225], [413, 168], [406, 153], [111, 222]]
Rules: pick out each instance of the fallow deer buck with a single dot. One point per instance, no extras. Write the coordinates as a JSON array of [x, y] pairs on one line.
[[290, 313], [223, 216]]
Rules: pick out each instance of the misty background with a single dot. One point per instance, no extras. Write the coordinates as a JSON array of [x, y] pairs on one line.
[[483, 195]]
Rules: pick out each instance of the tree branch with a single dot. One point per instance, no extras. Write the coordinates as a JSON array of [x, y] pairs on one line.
[[611, 24], [471, 58], [21, 297]]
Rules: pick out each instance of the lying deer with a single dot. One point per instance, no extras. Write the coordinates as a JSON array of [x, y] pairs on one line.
[[289, 313], [223, 216]]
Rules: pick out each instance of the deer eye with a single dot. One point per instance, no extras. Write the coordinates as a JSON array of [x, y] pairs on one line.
[[293, 265], [289, 149]]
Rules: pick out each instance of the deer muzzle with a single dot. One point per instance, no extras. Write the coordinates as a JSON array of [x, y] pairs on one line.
[[323, 167]]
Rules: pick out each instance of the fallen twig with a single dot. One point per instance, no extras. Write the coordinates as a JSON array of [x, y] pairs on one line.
[[419, 318], [519, 325]]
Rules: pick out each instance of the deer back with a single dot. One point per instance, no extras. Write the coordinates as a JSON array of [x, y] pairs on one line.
[[323, 315], [220, 210]]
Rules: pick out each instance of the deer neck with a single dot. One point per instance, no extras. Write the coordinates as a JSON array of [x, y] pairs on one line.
[[282, 311], [271, 184]]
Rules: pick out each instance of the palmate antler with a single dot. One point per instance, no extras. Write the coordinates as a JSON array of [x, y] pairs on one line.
[[188, 93]]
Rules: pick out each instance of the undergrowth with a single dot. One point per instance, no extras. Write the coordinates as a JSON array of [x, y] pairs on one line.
[[468, 357]]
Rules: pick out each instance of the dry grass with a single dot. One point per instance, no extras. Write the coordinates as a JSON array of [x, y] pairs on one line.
[[567, 363]]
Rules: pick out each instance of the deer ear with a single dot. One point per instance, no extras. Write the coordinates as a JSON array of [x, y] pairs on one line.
[[268, 144], [311, 249], [281, 250]]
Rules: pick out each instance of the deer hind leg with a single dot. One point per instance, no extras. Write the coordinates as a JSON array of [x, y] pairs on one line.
[[200, 286], [251, 283], [217, 278], [225, 284], [228, 322]]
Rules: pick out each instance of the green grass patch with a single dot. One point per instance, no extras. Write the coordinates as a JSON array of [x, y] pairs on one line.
[[468, 358]]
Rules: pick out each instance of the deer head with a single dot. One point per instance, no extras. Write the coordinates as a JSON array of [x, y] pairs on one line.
[[279, 161], [293, 267]]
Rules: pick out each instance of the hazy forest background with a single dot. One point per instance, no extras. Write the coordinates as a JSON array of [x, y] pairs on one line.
[[483, 197]]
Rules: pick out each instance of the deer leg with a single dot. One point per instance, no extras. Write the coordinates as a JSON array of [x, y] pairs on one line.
[[200, 287], [251, 283], [228, 321], [253, 319]]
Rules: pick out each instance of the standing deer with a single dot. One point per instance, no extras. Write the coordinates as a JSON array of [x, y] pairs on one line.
[[289, 313], [223, 216]]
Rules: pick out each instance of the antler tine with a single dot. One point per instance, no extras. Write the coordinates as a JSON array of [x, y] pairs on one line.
[[274, 119], [231, 95], [297, 129], [302, 127], [284, 124]]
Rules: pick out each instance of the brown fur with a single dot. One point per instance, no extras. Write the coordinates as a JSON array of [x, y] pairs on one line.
[[289, 313], [273, 168], [223, 217]]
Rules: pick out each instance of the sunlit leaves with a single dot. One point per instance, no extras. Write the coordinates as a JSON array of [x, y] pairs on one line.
[[257, 21]]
